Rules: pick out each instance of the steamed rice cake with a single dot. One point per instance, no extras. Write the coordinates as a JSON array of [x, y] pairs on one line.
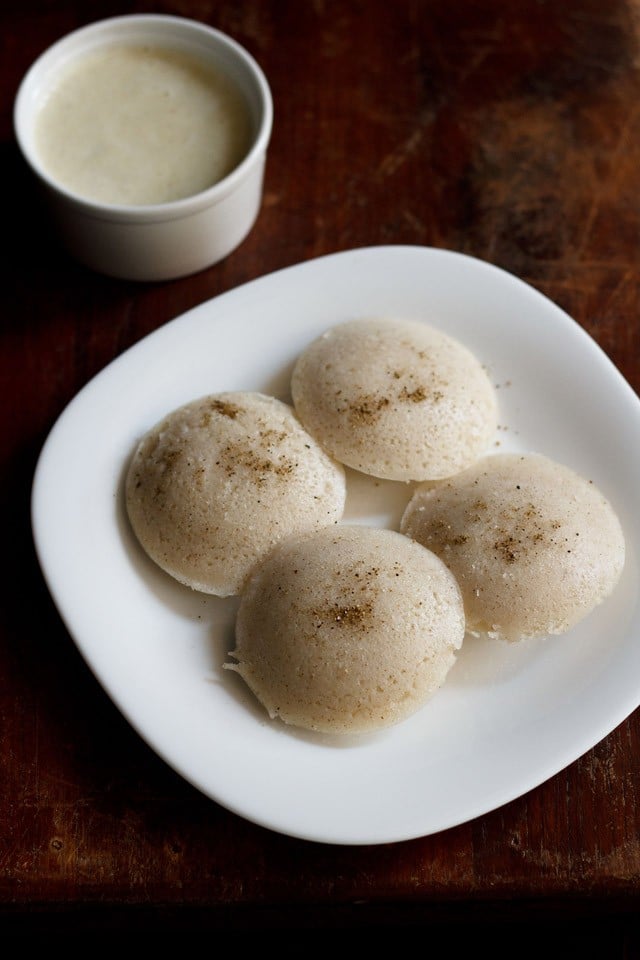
[[534, 546], [395, 399], [219, 481], [348, 629]]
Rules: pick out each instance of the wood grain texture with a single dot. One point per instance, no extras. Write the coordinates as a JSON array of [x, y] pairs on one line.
[[509, 131]]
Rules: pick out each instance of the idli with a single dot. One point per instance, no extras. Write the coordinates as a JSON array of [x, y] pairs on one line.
[[534, 546], [395, 399], [219, 481], [348, 629]]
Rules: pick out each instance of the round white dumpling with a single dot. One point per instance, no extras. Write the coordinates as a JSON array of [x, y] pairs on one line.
[[347, 630], [214, 485], [534, 546], [395, 399]]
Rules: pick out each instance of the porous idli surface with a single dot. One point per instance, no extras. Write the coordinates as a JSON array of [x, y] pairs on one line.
[[347, 630], [534, 546], [396, 399], [219, 481]]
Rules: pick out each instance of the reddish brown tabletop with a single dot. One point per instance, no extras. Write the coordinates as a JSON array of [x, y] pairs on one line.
[[508, 131]]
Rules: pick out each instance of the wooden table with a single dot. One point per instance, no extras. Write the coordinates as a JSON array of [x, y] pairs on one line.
[[509, 131]]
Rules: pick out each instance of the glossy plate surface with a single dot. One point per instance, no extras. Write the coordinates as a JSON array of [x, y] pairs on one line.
[[508, 717]]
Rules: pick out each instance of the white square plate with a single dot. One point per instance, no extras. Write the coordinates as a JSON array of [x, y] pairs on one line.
[[509, 715]]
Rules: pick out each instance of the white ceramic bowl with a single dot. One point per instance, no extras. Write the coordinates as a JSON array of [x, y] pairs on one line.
[[163, 240]]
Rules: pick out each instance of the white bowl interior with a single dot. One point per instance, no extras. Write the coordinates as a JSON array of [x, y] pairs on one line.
[[183, 35]]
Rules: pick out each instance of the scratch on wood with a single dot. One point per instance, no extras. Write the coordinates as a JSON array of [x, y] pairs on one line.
[[394, 160]]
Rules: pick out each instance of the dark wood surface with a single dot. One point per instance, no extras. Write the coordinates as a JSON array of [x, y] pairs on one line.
[[507, 130]]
